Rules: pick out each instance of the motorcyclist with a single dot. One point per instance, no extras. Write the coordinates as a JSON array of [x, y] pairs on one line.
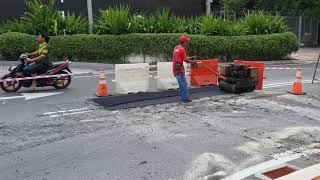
[[38, 61]]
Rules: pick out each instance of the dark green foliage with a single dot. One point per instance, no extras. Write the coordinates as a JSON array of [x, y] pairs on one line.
[[114, 48]]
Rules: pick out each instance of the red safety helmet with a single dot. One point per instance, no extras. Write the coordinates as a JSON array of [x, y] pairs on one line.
[[184, 39]]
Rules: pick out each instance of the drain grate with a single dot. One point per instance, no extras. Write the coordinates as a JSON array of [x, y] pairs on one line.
[[280, 172]]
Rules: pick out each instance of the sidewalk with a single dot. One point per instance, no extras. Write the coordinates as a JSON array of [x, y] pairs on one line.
[[306, 54], [310, 173]]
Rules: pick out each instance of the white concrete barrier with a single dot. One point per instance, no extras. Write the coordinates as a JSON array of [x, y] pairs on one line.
[[165, 78], [131, 78]]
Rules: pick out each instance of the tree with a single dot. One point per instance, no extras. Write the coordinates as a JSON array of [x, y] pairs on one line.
[[238, 4], [310, 8]]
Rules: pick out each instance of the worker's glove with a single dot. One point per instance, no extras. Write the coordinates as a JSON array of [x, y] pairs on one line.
[[194, 63]]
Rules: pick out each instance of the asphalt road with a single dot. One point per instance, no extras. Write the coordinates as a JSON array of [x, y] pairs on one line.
[[67, 136], [84, 87]]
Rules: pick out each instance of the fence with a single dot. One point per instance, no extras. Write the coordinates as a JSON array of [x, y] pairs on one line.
[[306, 30]]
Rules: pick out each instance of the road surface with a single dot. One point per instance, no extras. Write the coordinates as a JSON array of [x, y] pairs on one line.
[[66, 136]]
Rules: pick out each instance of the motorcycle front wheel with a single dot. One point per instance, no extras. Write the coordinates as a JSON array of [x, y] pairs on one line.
[[8, 84], [62, 82]]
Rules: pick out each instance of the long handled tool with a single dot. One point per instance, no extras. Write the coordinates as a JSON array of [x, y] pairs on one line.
[[315, 70], [199, 64], [234, 85]]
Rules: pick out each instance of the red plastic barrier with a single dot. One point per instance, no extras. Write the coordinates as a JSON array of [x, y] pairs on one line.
[[255, 64], [202, 76]]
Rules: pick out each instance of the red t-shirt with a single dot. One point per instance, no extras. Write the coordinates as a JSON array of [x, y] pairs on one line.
[[179, 55]]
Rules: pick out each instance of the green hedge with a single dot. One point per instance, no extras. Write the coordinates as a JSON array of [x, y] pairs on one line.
[[114, 48]]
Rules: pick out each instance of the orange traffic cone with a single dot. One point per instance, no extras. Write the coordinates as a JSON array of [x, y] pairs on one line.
[[102, 87], [297, 86]]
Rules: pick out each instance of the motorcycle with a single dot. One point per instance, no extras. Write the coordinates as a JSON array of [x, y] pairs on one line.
[[59, 76]]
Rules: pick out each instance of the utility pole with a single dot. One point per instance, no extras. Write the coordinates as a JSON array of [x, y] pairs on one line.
[[208, 7], [90, 15], [63, 15], [300, 30], [315, 70]]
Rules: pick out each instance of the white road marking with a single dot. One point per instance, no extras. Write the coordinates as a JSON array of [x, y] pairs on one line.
[[81, 112], [69, 114], [285, 84], [278, 160], [29, 96], [71, 110], [88, 76]]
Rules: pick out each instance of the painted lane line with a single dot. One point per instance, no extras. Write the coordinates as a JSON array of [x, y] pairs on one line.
[[81, 112], [89, 76], [106, 73], [94, 75], [69, 114], [30, 96], [281, 159], [279, 83], [276, 86], [286, 68], [71, 110], [285, 84]]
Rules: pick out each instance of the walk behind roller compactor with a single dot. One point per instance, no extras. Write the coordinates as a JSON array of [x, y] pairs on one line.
[[235, 78]]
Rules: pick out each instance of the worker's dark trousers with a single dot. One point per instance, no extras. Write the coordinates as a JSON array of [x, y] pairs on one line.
[[183, 86]]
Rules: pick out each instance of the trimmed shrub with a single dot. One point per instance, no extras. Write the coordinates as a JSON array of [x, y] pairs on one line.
[[114, 48], [14, 44]]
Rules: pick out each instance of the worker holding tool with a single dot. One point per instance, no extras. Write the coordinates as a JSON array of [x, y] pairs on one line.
[[180, 56]]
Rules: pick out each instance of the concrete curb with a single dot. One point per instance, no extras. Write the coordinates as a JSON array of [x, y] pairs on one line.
[[107, 66], [79, 65]]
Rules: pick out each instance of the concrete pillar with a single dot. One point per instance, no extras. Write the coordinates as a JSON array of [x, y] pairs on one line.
[[208, 7], [90, 15]]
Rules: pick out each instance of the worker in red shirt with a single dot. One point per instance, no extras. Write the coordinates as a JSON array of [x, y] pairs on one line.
[[180, 56]]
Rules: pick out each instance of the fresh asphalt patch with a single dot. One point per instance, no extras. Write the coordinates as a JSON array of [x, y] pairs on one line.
[[153, 98]]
